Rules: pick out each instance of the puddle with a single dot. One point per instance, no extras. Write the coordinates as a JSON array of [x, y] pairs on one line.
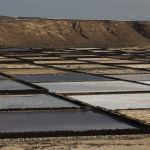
[[93, 86], [33, 101], [134, 77], [117, 101], [12, 85], [61, 77], [58, 121]]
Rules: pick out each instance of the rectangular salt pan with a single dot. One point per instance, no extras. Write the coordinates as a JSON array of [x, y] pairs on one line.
[[61, 77], [2, 77], [33, 101], [89, 48], [94, 86], [146, 82], [12, 85], [58, 121], [117, 101], [134, 77], [13, 49]]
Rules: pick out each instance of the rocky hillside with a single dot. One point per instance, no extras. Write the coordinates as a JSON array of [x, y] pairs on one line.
[[46, 33]]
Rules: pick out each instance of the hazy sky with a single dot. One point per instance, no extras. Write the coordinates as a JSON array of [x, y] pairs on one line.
[[78, 9]]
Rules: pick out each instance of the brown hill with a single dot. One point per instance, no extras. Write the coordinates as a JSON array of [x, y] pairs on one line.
[[5, 17], [46, 33]]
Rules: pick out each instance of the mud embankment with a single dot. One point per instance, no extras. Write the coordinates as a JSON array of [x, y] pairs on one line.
[[44, 33]]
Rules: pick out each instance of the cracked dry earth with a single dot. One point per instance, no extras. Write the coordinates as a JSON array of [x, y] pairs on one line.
[[128, 142]]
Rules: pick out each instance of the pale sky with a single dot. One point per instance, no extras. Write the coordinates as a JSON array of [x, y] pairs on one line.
[[78, 9]]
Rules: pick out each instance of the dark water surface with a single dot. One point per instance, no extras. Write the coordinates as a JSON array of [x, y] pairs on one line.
[[58, 121], [61, 77], [2, 77], [12, 85]]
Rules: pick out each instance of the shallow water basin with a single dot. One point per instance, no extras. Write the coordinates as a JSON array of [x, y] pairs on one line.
[[58, 121]]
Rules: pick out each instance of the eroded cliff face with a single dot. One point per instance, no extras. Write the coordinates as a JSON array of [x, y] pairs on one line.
[[44, 33]]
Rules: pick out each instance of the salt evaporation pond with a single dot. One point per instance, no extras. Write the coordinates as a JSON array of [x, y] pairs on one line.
[[33, 101], [12, 85], [58, 121], [147, 82], [61, 77], [2, 77], [94, 86], [16, 50], [133, 77], [117, 101]]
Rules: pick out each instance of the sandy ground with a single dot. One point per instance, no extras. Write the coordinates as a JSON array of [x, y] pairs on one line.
[[83, 66], [31, 58], [137, 66], [114, 71], [115, 61], [143, 115], [9, 59], [32, 71], [132, 142], [58, 62], [19, 66]]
